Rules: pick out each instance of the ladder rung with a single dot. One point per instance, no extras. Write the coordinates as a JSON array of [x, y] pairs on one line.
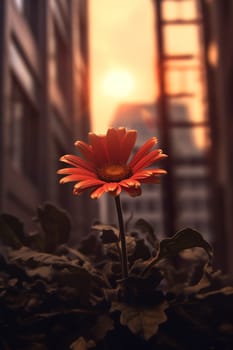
[[201, 160], [179, 57], [184, 68], [188, 124], [181, 21], [179, 95]]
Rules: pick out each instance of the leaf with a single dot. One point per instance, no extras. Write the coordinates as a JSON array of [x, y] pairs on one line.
[[228, 290], [142, 321], [184, 239], [30, 257], [109, 234], [44, 272], [92, 247], [55, 223], [203, 283], [147, 231], [130, 245], [141, 250], [82, 344], [73, 254]]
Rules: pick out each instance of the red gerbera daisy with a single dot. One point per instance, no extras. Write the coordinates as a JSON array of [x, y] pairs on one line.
[[104, 166]]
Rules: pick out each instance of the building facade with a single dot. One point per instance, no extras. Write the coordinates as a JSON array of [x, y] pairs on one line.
[[203, 65], [44, 102], [218, 20]]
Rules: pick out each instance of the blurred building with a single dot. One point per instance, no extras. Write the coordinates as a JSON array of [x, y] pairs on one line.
[[185, 137], [218, 44], [195, 66], [44, 103]]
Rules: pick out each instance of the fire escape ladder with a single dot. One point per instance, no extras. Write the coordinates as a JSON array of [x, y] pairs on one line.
[[175, 68]]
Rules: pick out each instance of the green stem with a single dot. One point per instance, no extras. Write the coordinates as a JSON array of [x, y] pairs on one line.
[[124, 259]]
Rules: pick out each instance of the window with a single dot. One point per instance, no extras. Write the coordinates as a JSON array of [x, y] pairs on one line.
[[23, 132]]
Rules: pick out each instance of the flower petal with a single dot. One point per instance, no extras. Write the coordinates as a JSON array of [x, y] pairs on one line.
[[127, 145], [74, 177], [130, 183], [144, 174], [148, 159], [141, 174], [112, 187], [143, 151], [97, 193], [88, 184], [85, 149], [99, 147], [77, 170], [76, 161], [113, 142], [121, 132]]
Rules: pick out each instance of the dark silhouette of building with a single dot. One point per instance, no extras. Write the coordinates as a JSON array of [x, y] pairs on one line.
[[44, 103]]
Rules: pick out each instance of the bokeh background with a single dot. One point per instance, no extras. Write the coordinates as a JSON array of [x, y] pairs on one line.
[[163, 67]]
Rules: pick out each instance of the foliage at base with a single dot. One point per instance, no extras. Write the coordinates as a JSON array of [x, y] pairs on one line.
[[54, 296]]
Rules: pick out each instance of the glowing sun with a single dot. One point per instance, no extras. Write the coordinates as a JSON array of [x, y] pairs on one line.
[[118, 84]]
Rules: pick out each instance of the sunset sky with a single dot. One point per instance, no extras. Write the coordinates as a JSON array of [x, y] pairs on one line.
[[122, 56]]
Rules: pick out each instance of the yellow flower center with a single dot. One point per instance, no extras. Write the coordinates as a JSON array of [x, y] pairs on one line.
[[114, 172]]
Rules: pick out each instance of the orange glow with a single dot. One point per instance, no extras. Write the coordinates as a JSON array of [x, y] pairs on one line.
[[122, 50], [118, 84]]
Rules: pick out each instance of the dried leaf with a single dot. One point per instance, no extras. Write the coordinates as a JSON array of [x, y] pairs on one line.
[[82, 344], [109, 234], [228, 290], [184, 239], [147, 231], [141, 250], [142, 321], [130, 245], [45, 272], [55, 223], [33, 258]]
